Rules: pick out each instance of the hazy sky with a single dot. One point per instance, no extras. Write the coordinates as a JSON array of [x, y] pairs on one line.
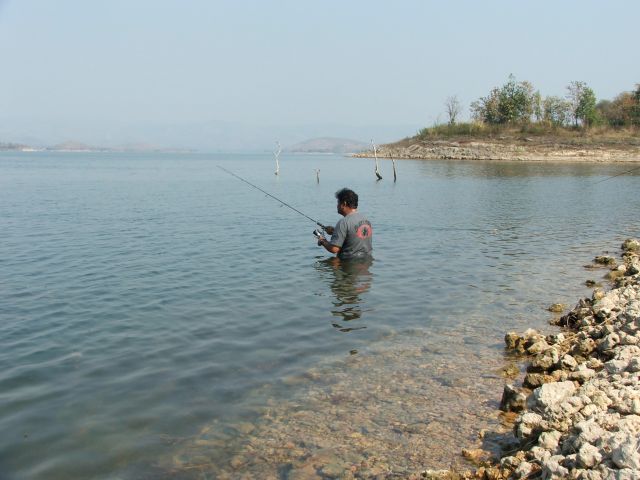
[[209, 72]]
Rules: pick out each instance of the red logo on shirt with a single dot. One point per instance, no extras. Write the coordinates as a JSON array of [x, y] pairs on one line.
[[364, 231]]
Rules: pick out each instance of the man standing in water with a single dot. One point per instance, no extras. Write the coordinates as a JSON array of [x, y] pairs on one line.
[[351, 237]]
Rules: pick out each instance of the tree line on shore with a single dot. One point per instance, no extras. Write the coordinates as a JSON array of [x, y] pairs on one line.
[[520, 104]]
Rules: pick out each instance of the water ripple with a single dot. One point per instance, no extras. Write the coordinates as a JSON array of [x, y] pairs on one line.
[[144, 296]]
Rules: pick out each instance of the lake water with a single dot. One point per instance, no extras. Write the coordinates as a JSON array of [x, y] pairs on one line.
[[161, 319]]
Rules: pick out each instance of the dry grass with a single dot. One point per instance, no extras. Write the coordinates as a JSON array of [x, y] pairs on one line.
[[530, 132]]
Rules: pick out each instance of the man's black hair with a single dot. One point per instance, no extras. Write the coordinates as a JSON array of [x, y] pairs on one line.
[[347, 196]]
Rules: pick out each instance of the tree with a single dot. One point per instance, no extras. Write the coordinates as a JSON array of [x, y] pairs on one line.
[[515, 101], [537, 106], [557, 111], [574, 90], [608, 112], [512, 103], [486, 109], [635, 114], [586, 110], [583, 103], [620, 111], [529, 100], [453, 106]]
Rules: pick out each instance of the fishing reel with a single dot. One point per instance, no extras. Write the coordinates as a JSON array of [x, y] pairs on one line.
[[318, 233]]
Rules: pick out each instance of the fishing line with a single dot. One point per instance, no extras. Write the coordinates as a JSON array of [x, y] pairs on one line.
[[275, 198], [618, 175]]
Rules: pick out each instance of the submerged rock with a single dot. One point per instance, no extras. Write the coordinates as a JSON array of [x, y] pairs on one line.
[[476, 455], [557, 307], [510, 371], [605, 260], [631, 245], [514, 399]]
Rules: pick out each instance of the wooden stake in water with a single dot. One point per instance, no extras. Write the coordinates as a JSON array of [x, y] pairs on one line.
[[317, 175], [277, 155], [394, 167], [375, 154]]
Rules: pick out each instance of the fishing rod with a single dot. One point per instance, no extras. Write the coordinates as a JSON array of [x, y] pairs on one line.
[[618, 175], [274, 197]]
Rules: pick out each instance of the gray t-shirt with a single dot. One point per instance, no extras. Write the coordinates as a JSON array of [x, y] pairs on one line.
[[353, 235]]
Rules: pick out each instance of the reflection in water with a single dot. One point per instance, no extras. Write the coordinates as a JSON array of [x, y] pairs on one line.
[[348, 280]]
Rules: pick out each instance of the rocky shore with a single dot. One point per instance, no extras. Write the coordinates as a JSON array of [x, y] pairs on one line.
[[578, 409], [394, 412], [522, 149]]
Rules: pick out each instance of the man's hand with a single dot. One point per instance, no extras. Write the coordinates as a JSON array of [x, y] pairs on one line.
[[329, 230]]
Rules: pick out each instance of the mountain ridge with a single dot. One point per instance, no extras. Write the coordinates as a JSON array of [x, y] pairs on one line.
[[328, 145]]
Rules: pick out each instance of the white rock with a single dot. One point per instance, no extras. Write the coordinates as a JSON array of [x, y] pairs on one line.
[[551, 469], [609, 301], [615, 474], [585, 398], [625, 454], [609, 421], [510, 462], [600, 399], [590, 475], [549, 440], [552, 393], [628, 353], [523, 470], [582, 374], [609, 342], [527, 423], [588, 456], [590, 431], [577, 401], [538, 346], [568, 362], [594, 363], [630, 424], [590, 410], [539, 454], [616, 366]]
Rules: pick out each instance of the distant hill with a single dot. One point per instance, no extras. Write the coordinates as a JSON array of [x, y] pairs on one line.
[[14, 146], [73, 146], [328, 145], [149, 148]]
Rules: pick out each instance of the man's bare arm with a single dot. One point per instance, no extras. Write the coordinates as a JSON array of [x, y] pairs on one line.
[[323, 242]]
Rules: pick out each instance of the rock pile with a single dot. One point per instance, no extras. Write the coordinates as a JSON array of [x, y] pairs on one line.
[[579, 406]]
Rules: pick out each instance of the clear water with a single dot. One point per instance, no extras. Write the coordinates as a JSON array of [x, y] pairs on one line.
[[143, 297]]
